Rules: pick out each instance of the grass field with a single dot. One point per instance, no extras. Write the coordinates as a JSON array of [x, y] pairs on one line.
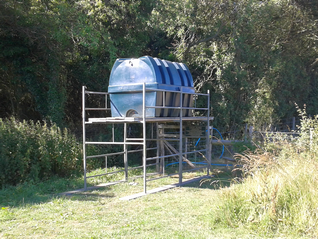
[[36, 211], [213, 208]]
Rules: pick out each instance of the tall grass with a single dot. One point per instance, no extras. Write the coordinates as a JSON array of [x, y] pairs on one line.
[[279, 194]]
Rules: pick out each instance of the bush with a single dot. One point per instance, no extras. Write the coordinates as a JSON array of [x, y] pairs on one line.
[[36, 151]]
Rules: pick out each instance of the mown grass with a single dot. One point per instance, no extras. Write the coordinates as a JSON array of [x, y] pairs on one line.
[[36, 211], [277, 200]]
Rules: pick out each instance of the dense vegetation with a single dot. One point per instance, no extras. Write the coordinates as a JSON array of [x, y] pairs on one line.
[[34, 152], [258, 58], [279, 191]]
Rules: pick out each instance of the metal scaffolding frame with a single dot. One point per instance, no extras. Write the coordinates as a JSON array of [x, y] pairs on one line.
[[160, 123]]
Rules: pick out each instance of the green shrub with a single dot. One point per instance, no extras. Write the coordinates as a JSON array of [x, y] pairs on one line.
[[35, 151], [240, 147]]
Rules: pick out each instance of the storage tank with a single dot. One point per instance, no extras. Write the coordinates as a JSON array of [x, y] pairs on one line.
[[127, 77]]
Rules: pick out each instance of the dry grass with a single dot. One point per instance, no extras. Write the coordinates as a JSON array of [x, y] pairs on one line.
[[278, 196]]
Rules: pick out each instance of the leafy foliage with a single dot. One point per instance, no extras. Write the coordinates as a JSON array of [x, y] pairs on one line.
[[257, 58], [34, 151], [50, 48]]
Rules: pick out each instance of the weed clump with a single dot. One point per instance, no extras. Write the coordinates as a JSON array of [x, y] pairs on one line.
[[278, 195]]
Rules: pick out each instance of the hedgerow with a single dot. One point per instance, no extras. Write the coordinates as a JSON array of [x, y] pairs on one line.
[[34, 151]]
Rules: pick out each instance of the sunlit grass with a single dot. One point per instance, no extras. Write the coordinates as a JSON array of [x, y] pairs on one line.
[[38, 211], [278, 197]]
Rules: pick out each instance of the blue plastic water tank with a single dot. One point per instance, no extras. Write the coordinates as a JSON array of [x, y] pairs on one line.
[[127, 77]]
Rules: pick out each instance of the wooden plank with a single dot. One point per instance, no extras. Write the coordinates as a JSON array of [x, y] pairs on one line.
[[225, 142], [197, 131], [176, 152], [151, 119], [163, 126]]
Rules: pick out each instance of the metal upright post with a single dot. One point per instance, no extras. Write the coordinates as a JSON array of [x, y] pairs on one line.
[[186, 145], [208, 138], [158, 150], [106, 159], [113, 132], [84, 135], [106, 104], [125, 152], [294, 124], [180, 136], [144, 135], [162, 149]]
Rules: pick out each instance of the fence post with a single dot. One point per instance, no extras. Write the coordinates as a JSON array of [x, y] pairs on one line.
[[251, 131], [245, 132], [294, 124]]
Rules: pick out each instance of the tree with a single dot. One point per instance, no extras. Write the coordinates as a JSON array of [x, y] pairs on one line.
[[254, 56], [50, 48]]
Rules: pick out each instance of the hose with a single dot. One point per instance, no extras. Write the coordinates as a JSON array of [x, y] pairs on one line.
[[223, 148]]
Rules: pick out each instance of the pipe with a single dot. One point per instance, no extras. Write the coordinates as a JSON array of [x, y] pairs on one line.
[[221, 138]]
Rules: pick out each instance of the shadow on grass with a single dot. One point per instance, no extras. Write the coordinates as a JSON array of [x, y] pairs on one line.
[[41, 192], [87, 196], [220, 178]]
